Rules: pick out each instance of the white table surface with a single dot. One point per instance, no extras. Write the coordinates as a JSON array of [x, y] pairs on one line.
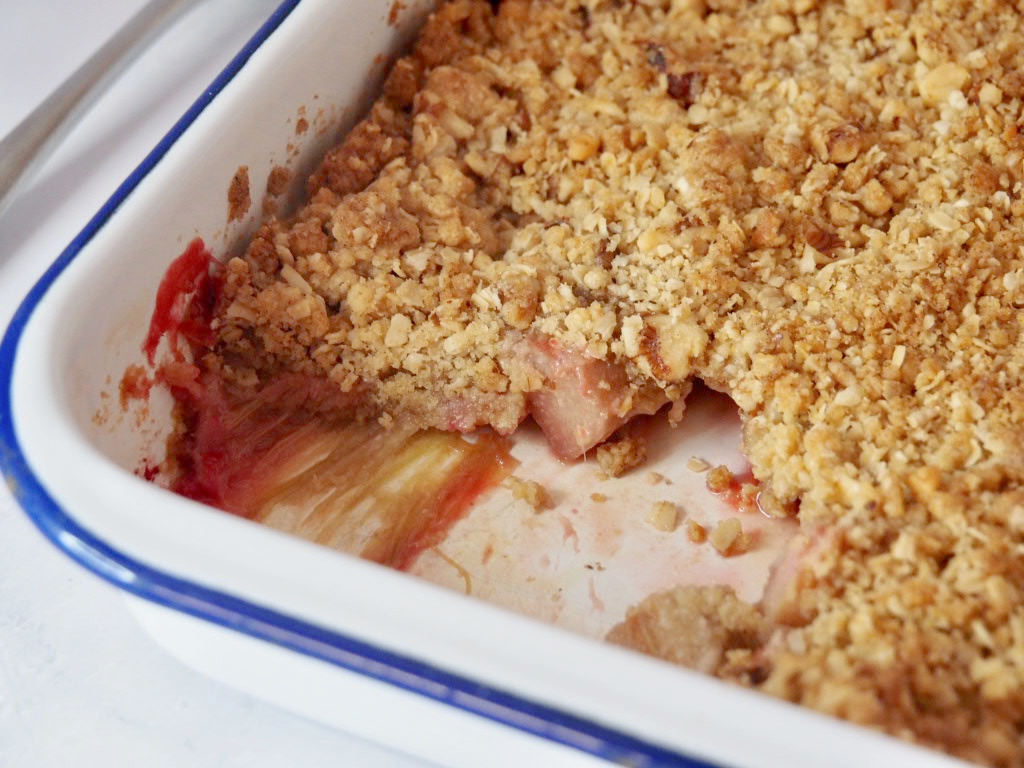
[[80, 683]]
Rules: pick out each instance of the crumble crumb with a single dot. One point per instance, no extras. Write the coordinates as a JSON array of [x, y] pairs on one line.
[[617, 457], [656, 478], [697, 464], [696, 532], [239, 198], [530, 491], [729, 539], [719, 479], [600, 498], [663, 515]]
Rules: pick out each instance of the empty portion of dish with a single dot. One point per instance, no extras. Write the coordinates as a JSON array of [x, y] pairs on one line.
[[571, 211]]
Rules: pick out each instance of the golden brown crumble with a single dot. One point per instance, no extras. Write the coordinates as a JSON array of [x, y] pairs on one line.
[[815, 207]]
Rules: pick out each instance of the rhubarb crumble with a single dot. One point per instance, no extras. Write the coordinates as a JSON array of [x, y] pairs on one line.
[[571, 211]]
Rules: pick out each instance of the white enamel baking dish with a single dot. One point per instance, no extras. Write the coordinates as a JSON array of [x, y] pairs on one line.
[[370, 650]]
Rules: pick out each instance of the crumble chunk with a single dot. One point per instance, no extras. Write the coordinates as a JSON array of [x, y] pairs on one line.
[[719, 479], [718, 625], [616, 457]]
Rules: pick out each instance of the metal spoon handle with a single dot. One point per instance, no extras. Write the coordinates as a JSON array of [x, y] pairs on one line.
[[25, 148]]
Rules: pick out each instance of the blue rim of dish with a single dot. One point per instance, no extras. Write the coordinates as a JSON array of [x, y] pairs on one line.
[[230, 612]]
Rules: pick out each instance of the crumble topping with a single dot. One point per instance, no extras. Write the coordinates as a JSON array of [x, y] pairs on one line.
[[813, 206]]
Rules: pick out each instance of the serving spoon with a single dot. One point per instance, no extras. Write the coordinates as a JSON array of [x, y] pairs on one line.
[[27, 146]]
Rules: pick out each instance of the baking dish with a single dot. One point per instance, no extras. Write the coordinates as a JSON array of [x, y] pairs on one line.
[[353, 644]]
